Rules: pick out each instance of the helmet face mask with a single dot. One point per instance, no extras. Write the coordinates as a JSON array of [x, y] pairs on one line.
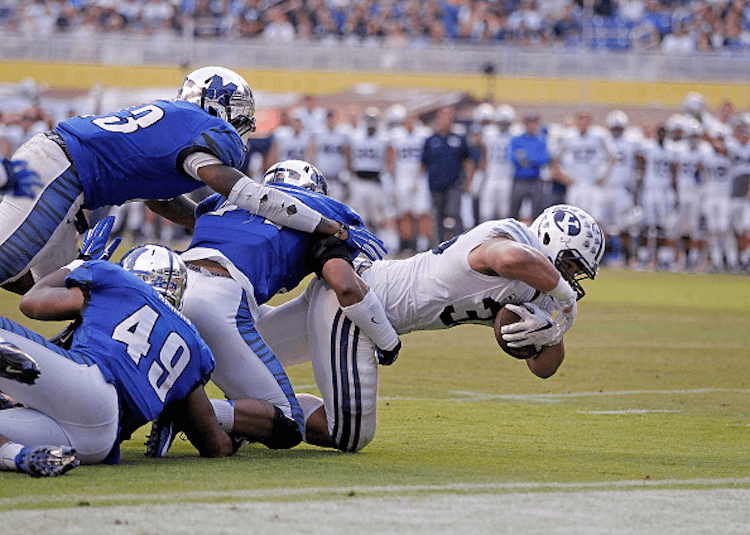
[[160, 268], [573, 242], [297, 173], [224, 94]]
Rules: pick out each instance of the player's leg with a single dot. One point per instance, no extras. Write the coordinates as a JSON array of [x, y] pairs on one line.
[[39, 231], [346, 373], [69, 404], [245, 366]]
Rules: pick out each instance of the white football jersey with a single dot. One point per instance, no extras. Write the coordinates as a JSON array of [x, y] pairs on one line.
[[368, 152], [437, 289], [689, 157], [740, 156], [717, 179], [657, 176], [292, 146], [496, 149], [330, 151], [407, 150], [622, 174], [584, 157]]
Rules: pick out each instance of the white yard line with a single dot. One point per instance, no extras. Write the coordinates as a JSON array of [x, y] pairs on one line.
[[582, 512], [463, 395]]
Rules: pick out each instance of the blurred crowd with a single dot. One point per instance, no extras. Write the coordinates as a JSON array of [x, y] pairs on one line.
[[672, 26], [670, 196]]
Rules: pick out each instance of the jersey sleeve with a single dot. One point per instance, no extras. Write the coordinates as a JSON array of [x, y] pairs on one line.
[[224, 143], [516, 231]]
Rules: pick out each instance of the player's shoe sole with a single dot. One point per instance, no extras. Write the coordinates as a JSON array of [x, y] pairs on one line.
[[16, 364]]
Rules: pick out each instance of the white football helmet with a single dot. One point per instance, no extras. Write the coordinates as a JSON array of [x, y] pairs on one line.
[[484, 113], [505, 114], [396, 114], [298, 173], [160, 268], [694, 103], [222, 93], [617, 119], [568, 235]]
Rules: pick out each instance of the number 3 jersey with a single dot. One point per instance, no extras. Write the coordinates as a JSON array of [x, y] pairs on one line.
[[438, 289], [142, 345], [139, 152]]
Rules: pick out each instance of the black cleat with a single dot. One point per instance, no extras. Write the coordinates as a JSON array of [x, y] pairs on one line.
[[16, 364]]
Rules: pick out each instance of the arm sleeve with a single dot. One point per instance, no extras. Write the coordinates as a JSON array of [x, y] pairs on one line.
[[369, 315], [196, 160], [326, 248], [274, 205]]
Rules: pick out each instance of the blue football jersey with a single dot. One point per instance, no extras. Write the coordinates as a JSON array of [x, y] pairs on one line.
[[272, 258], [144, 346], [138, 153]]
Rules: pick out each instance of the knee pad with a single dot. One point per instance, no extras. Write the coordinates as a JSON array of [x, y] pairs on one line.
[[285, 433]]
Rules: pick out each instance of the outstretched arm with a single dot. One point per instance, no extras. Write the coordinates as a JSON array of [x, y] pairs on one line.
[[197, 418], [49, 299]]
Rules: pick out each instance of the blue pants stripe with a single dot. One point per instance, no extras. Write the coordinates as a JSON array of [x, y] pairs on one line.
[[12, 326], [32, 235], [246, 328]]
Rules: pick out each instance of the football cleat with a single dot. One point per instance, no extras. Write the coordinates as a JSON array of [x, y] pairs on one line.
[[161, 437], [46, 461], [16, 364], [7, 402]]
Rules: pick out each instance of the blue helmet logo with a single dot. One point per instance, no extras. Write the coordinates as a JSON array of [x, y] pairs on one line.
[[568, 222], [219, 92]]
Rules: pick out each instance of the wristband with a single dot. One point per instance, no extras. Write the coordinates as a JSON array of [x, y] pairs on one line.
[[340, 231]]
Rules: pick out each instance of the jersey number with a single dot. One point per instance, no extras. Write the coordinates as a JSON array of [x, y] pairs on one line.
[[135, 330], [142, 117]]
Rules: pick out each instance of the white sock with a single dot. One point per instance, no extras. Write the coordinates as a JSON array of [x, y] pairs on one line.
[[8, 453], [224, 409]]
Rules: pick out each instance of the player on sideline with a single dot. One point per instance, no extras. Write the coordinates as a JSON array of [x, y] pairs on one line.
[[226, 286], [131, 354], [465, 280], [157, 150]]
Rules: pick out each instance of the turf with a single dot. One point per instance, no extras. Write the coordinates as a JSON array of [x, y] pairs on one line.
[[654, 388]]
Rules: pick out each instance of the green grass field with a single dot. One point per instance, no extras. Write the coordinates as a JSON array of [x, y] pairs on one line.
[[654, 393]]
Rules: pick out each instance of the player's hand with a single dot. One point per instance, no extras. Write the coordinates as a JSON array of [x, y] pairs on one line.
[[19, 179], [535, 328], [386, 358], [95, 241], [366, 242], [564, 321]]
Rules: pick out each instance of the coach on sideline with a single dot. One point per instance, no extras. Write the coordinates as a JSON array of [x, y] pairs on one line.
[[528, 154]]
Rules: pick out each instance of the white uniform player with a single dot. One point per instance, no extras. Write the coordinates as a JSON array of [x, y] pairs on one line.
[[717, 206], [739, 152], [618, 187], [411, 192], [494, 192], [290, 144], [437, 289], [584, 156], [330, 154], [691, 153], [369, 185], [657, 186]]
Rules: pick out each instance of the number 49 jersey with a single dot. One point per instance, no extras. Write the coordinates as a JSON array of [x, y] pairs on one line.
[[139, 152], [438, 289], [144, 346]]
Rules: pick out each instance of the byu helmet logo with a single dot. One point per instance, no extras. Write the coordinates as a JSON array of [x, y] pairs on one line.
[[568, 222]]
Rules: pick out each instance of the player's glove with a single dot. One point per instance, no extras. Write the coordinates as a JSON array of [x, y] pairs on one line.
[[16, 177], [536, 327], [366, 242], [16, 364], [95, 241], [46, 461], [386, 358]]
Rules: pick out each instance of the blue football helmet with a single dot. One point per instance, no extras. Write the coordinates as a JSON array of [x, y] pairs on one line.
[[223, 93], [160, 268], [298, 173]]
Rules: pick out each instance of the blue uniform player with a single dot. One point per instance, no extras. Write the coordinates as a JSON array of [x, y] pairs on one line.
[[131, 355], [226, 287], [157, 150]]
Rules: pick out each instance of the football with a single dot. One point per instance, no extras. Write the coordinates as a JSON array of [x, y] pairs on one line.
[[506, 317]]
